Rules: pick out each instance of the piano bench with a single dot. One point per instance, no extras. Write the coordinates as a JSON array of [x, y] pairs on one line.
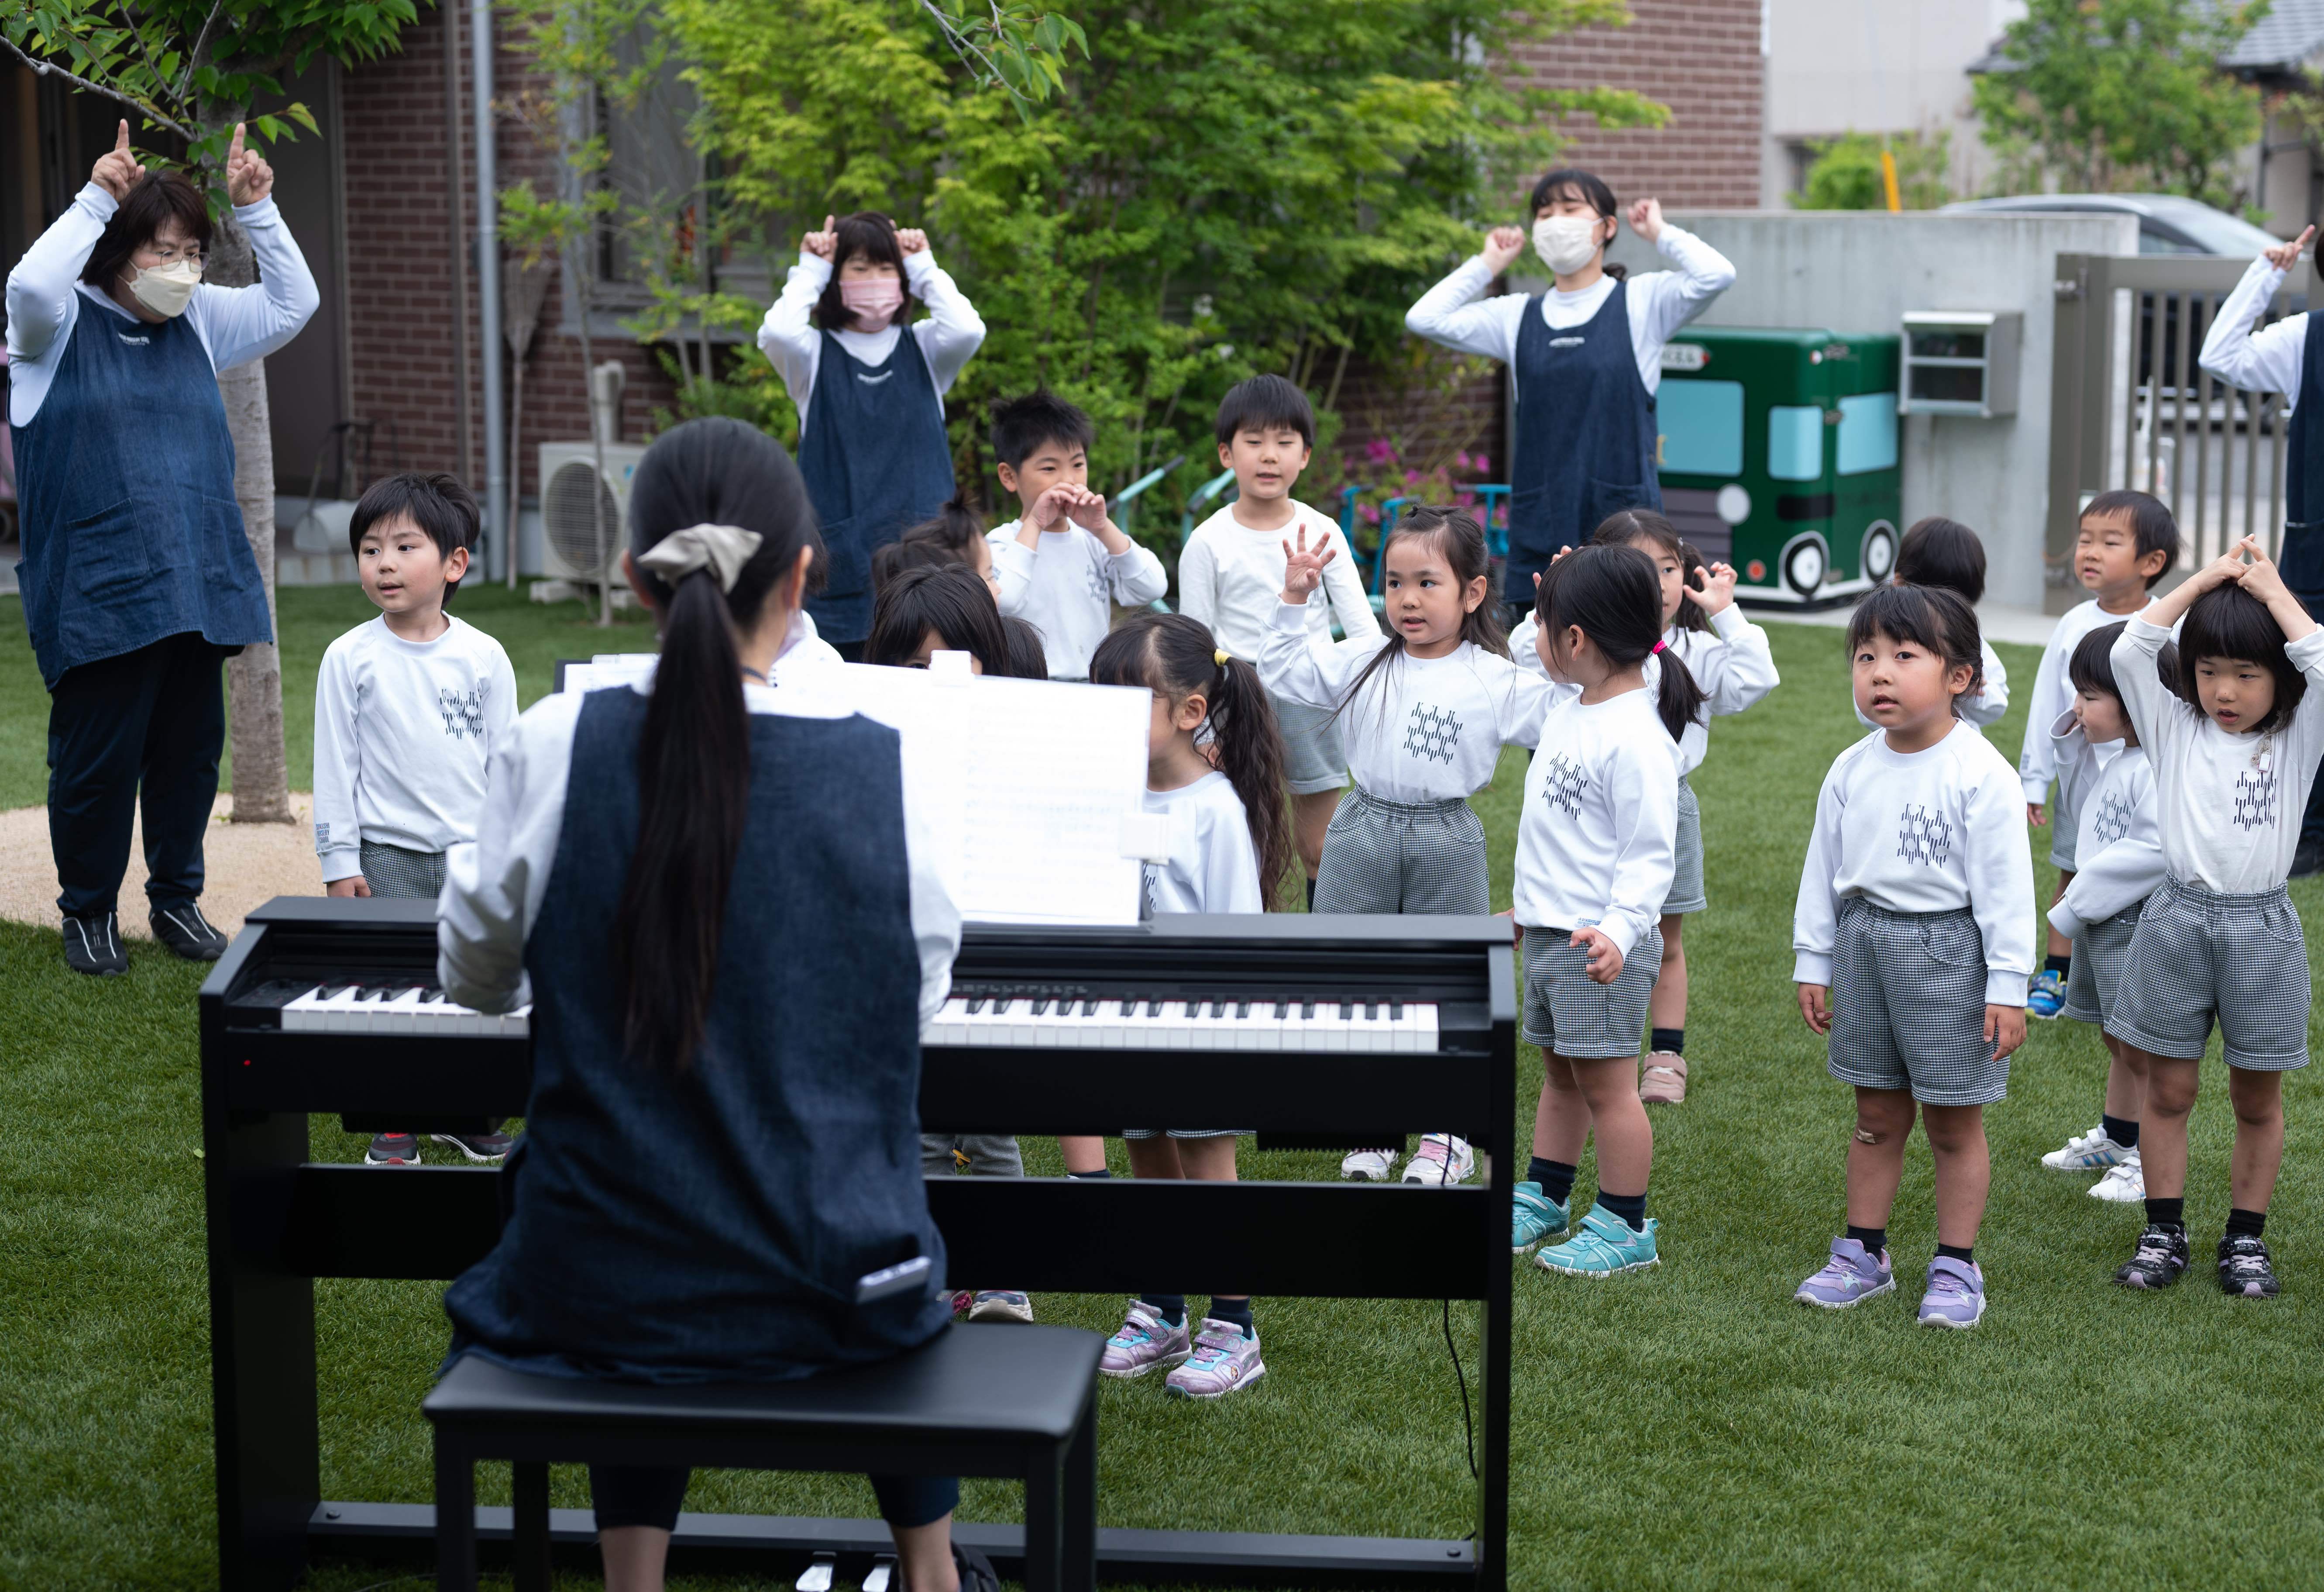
[[990, 1398]]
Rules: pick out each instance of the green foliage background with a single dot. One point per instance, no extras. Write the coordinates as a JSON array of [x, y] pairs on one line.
[[1846, 172]]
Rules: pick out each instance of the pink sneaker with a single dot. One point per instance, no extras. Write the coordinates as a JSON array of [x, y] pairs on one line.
[[1141, 1343], [1224, 1361], [1663, 1081]]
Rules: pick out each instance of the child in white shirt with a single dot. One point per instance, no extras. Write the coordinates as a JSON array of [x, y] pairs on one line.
[[2235, 750], [1596, 848], [1062, 565], [1939, 551], [1231, 575], [1230, 848], [1915, 938], [2126, 542], [408, 709]]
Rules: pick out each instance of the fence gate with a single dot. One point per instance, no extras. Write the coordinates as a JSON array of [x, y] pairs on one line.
[[2130, 406]]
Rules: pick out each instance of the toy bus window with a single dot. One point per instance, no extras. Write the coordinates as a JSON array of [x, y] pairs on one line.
[[1701, 423], [1795, 442], [1868, 433]]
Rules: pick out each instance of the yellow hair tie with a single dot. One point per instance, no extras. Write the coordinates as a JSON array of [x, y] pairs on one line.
[[1220, 657]]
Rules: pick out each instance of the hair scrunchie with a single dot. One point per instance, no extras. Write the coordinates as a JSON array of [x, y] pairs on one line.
[[1659, 647], [722, 550], [1219, 657]]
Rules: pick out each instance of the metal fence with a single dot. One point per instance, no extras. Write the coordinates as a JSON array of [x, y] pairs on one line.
[[2131, 406]]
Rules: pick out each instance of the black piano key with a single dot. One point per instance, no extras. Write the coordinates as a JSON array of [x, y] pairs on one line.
[[1346, 1011], [1307, 1010], [1153, 1008], [1218, 1008], [1283, 1011], [1396, 1010], [1243, 1010], [1040, 1008], [1088, 1008], [976, 1004]]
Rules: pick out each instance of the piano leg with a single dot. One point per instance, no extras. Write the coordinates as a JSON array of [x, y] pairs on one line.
[[530, 1543]]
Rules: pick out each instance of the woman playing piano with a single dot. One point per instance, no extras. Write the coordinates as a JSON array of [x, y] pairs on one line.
[[714, 1156]]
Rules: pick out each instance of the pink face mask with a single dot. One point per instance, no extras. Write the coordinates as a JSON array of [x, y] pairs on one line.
[[870, 300]]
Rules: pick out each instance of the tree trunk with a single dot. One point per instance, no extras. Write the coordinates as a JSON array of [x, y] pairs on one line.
[[262, 790]]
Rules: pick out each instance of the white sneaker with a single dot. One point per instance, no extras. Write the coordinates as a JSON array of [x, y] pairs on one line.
[[1367, 1166], [1441, 1161], [2124, 1184], [2090, 1152]]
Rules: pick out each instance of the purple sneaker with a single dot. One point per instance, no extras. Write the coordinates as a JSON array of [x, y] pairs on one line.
[[1850, 1278], [1141, 1343], [1956, 1295], [1224, 1361]]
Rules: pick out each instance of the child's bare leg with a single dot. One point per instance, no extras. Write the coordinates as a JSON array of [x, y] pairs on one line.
[[2163, 1133], [1084, 1155], [1310, 817], [2060, 945], [1609, 1091], [1156, 1157], [1875, 1155], [634, 1556], [2258, 1100], [2125, 1091], [1667, 1008], [1964, 1170], [1560, 1118]]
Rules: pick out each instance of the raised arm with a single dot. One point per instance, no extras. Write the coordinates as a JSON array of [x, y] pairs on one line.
[[953, 330], [786, 337], [1455, 314], [2268, 360], [40, 287], [1668, 299], [238, 325]]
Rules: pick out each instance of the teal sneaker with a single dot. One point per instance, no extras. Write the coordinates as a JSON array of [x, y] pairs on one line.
[[2045, 997], [1535, 1217], [1605, 1245]]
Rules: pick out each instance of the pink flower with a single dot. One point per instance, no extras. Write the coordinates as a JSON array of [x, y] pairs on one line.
[[1482, 464], [1379, 450], [1370, 514], [1460, 460], [1412, 477]]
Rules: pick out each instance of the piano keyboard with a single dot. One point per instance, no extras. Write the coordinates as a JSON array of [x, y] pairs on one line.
[[1079, 1021], [409, 1009]]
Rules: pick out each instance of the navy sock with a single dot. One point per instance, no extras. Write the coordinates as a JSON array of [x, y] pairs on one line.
[[2166, 1213], [1555, 1177], [1960, 1252], [1170, 1307], [1874, 1239], [2061, 965], [2253, 1222], [1101, 1175], [1631, 1208], [1672, 1040], [2125, 1133], [1234, 1311]]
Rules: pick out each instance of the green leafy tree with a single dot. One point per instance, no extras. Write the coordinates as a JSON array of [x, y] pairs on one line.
[[2117, 95], [1845, 174], [194, 71]]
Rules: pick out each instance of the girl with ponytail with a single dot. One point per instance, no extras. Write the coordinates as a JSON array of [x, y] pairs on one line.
[[1595, 857], [730, 929], [1231, 845]]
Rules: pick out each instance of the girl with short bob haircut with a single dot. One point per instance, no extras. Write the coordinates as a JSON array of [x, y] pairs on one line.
[[2235, 750], [720, 1142], [941, 607]]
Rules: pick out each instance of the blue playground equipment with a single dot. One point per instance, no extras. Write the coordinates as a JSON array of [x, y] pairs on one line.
[[1493, 498]]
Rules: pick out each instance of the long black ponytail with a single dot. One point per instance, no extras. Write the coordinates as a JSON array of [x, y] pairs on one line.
[[694, 756], [1614, 595]]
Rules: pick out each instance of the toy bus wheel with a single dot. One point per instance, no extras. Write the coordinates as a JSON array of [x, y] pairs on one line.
[[1805, 566], [1878, 559]]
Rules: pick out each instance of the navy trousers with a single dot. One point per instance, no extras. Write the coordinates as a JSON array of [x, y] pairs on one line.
[[145, 723]]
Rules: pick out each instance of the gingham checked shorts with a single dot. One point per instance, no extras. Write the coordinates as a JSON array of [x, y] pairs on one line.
[[2100, 951], [1403, 857], [1568, 1013], [2199, 956], [1908, 1006], [397, 870]]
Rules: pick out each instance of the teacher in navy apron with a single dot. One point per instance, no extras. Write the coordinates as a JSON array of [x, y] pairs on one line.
[[137, 579], [1585, 359], [870, 397]]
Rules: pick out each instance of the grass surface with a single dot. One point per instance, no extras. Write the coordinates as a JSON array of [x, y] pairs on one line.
[[1689, 1426]]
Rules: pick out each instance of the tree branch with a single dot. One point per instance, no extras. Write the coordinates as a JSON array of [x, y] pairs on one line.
[[194, 56], [44, 68], [137, 32]]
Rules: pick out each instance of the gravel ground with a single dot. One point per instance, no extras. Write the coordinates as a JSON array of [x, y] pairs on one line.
[[246, 863]]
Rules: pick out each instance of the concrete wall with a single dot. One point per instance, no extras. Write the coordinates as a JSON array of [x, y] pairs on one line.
[[1857, 273]]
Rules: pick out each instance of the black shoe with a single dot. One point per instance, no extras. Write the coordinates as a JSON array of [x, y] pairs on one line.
[[393, 1150], [2308, 859], [185, 930], [93, 944], [2244, 1268], [976, 1571], [488, 1149], [2161, 1258]]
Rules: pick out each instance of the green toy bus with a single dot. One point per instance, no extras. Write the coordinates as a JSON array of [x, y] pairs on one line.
[[1779, 456]]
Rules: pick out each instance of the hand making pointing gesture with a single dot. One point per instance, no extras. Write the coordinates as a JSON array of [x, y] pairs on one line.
[[248, 178], [117, 170], [2284, 256]]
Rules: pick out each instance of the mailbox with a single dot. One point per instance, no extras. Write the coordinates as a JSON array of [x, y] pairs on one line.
[[1962, 362]]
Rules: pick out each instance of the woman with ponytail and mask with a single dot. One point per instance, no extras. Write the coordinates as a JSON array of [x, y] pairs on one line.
[[741, 932], [1585, 359], [870, 398]]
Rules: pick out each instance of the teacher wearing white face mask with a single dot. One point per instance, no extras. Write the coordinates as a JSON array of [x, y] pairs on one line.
[[137, 579], [1586, 358]]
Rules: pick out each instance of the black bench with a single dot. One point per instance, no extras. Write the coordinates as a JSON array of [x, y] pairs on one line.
[[988, 1399]]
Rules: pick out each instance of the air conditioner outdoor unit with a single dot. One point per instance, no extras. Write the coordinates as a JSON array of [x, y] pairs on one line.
[[571, 552]]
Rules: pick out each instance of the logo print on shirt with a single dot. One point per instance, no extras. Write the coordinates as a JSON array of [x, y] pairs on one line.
[[2256, 800], [1433, 733], [1562, 785], [2113, 821], [1567, 342], [1098, 586], [1923, 838], [463, 711]]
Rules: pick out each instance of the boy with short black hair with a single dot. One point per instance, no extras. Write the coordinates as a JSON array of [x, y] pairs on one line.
[[1063, 563], [407, 710], [2127, 541]]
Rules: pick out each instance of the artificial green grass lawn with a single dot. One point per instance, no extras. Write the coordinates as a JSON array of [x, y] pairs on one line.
[[1689, 1425]]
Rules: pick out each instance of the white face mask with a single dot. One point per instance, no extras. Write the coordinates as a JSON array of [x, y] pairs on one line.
[[166, 289], [1565, 243]]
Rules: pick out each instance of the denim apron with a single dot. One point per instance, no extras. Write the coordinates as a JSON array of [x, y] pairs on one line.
[[125, 486], [2301, 564], [1584, 442], [876, 460], [711, 1225]]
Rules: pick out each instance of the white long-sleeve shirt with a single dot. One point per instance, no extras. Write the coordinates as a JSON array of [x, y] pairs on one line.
[[46, 297], [2118, 848], [1214, 866], [1732, 663], [1066, 585], [404, 733], [494, 886], [793, 344], [2054, 693], [1230, 577], [1424, 729], [1658, 304], [1597, 835], [2228, 806], [2264, 361], [1930, 831]]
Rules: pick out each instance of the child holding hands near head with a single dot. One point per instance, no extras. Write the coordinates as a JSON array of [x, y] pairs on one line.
[[2235, 750]]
